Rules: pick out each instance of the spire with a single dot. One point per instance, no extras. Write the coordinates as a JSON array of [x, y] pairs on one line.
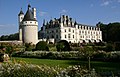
[[29, 6], [21, 12], [43, 22]]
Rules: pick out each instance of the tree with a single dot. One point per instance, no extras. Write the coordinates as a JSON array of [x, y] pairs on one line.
[[42, 45], [110, 32], [63, 45], [88, 51]]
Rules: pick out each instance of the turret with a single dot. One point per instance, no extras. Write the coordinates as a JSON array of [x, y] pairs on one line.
[[20, 18], [30, 27]]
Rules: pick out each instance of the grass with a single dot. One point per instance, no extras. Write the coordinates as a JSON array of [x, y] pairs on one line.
[[99, 66]]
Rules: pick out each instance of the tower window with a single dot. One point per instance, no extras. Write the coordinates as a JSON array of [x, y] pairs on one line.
[[30, 22], [73, 36], [21, 17]]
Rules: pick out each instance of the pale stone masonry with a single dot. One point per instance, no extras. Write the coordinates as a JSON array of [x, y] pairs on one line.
[[28, 26], [65, 28]]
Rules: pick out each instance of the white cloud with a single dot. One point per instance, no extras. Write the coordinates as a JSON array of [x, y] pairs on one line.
[[91, 5], [42, 13], [105, 3], [1, 26], [118, 1], [7, 25], [63, 11]]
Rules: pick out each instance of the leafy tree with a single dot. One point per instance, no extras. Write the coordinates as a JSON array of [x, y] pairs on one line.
[[10, 37], [110, 32], [42, 45], [88, 51]]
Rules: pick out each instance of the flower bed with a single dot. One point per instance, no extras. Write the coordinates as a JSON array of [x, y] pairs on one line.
[[29, 70]]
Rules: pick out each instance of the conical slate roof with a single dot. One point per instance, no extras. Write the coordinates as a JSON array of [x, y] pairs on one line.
[[21, 12], [29, 15]]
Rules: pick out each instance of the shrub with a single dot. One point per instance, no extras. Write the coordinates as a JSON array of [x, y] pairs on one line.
[[28, 47], [42, 45], [117, 46], [63, 45], [109, 47]]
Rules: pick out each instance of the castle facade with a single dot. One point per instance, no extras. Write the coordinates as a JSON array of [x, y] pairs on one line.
[[65, 28]]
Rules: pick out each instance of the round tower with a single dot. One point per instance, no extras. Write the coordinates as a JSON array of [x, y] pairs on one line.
[[30, 27], [20, 18]]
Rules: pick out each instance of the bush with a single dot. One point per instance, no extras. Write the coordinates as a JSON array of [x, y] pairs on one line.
[[109, 47], [28, 47], [117, 46], [42, 45], [63, 45]]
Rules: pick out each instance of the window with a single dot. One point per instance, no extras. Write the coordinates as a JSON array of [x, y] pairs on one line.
[[30, 22], [79, 32], [69, 30], [52, 36], [73, 31], [82, 31], [65, 30], [52, 31], [56, 36], [68, 35], [56, 31], [65, 36], [73, 36], [21, 17], [88, 32]]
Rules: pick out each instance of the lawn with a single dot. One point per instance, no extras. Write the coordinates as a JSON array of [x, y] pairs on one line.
[[99, 66]]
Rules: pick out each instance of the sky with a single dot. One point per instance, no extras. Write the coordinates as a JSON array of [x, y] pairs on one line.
[[88, 12]]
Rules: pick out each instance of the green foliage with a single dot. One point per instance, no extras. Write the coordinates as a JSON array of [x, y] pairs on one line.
[[10, 37], [117, 46], [29, 47], [109, 47], [63, 45], [51, 55], [29, 70], [42, 45], [110, 32]]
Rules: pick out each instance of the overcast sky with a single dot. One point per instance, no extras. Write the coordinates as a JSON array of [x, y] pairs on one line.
[[83, 11]]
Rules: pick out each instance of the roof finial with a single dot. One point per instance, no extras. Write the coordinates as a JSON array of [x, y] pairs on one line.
[[29, 6]]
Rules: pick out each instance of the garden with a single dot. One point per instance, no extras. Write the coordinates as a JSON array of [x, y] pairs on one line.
[[60, 60]]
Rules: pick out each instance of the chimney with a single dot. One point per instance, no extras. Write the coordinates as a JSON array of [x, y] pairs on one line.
[[34, 12]]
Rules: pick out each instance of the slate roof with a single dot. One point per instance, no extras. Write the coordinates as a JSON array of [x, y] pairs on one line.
[[29, 15]]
